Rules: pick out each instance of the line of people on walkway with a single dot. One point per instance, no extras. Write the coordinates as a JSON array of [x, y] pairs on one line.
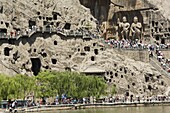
[[165, 63], [127, 44]]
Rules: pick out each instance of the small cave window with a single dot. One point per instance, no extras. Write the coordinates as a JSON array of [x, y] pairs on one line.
[[121, 69], [162, 83], [101, 49], [156, 23], [133, 84], [116, 74], [94, 44], [54, 61], [153, 23], [87, 48], [146, 79], [42, 50], [127, 94], [55, 16], [115, 65], [128, 86], [132, 74], [150, 87], [46, 67], [144, 90], [69, 56], [92, 58], [83, 54], [91, 19], [125, 71], [35, 50], [67, 69], [55, 42], [96, 51], [2, 22], [52, 23], [47, 18], [40, 17], [50, 18], [160, 29], [111, 76], [7, 51], [36, 65], [121, 76], [7, 25], [38, 13], [110, 80], [57, 24], [67, 26], [44, 55], [107, 73], [78, 49], [158, 77], [111, 73]]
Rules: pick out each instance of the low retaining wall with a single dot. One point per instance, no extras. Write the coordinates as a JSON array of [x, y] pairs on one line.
[[138, 55]]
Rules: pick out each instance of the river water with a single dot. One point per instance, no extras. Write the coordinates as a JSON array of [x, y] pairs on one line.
[[153, 109]]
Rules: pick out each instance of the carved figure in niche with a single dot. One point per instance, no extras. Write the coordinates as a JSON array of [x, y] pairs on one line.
[[136, 28], [124, 28], [117, 29]]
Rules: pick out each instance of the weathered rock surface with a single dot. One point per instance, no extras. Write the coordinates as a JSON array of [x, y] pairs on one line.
[[54, 53]]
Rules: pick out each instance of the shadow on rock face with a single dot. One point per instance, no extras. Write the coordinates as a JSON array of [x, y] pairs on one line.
[[99, 8]]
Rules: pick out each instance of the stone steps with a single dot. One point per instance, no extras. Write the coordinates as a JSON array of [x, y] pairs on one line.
[[157, 66]]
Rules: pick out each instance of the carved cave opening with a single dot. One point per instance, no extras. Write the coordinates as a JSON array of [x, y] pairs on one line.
[[7, 51], [92, 58], [87, 48], [55, 43], [83, 54], [149, 87], [67, 69], [96, 52], [67, 26], [36, 65], [54, 61]]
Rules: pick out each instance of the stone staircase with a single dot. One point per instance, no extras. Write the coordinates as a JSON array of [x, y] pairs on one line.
[[154, 62]]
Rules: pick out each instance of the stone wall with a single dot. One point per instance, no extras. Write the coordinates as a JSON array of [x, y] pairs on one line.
[[138, 55], [166, 53]]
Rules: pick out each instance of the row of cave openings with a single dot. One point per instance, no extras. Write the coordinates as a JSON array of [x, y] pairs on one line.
[[36, 65], [88, 49], [116, 75]]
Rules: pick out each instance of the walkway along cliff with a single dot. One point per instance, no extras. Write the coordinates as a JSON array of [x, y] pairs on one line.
[[63, 35]]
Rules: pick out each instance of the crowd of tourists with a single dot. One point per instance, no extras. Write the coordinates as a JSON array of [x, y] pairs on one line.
[[165, 62], [113, 99], [127, 44], [155, 50]]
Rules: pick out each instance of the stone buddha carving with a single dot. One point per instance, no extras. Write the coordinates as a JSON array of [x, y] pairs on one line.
[[136, 28], [124, 28]]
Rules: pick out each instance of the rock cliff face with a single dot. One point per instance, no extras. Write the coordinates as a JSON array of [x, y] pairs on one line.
[[163, 5], [49, 51], [54, 53]]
